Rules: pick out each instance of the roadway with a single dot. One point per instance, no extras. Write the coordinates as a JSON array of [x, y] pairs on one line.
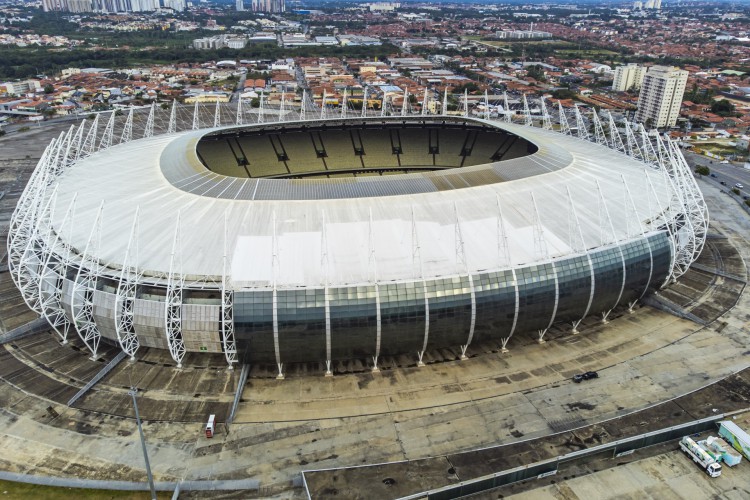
[[729, 173]]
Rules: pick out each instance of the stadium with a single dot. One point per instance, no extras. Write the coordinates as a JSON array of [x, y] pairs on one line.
[[311, 240]]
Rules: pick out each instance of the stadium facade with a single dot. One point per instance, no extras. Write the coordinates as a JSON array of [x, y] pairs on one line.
[[316, 240]]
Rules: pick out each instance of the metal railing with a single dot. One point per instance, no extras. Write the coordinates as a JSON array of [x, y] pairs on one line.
[[104, 371], [550, 466]]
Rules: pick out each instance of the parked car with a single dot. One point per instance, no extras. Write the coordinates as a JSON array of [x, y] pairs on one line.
[[739, 186], [584, 376], [713, 175], [723, 183], [724, 162]]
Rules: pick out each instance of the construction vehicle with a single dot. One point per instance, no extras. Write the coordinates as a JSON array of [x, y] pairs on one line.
[[700, 456]]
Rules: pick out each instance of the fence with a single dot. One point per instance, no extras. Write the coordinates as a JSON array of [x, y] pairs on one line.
[[549, 467]]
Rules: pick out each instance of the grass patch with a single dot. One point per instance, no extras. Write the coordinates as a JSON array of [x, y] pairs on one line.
[[22, 491]]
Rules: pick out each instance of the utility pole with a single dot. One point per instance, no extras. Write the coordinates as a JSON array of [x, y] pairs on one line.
[[133, 391]]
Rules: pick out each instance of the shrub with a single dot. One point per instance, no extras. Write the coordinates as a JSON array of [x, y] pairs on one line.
[[702, 170]]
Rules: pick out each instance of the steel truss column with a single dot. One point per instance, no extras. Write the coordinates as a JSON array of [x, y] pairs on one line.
[[106, 141], [486, 104], [578, 244], [633, 148], [261, 110], [424, 102], [149, 130], [196, 117], [23, 218], [89, 143], [507, 116], [614, 135], [564, 125], [127, 131], [172, 126], [84, 287], [417, 264], [23, 251], [343, 105], [605, 225], [323, 105], [28, 270], [527, 113], [78, 144], [373, 265], [173, 302], [364, 102], [53, 274], [668, 218], [444, 109], [684, 227], [217, 114], [127, 288], [582, 131], [227, 305], [599, 136], [461, 261], [696, 208], [238, 113], [546, 121], [406, 102]]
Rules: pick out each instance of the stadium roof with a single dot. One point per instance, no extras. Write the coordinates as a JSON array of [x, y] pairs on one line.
[[357, 230]]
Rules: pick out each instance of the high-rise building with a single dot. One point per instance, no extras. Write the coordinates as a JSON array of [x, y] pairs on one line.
[[112, 5], [240, 5], [275, 6], [661, 96], [628, 77]]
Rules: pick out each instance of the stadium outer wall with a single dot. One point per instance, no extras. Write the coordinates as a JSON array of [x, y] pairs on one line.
[[81, 294]]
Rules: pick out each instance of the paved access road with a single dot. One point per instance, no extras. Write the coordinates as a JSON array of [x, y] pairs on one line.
[[730, 173]]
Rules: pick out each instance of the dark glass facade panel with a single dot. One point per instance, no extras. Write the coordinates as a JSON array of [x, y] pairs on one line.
[[253, 326], [402, 316], [662, 251], [607, 278], [536, 291], [574, 282], [495, 294], [353, 313], [353, 310], [302, 325], [639, 268], [450, 311]]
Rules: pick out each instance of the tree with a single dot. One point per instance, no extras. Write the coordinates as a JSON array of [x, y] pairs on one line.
[[702, 170], [723, 108], [48, 89], [536, 72], [563, 94]]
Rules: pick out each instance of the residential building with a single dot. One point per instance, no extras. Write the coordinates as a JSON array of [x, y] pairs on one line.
[[661, 96], [628, 77], [275, 6]]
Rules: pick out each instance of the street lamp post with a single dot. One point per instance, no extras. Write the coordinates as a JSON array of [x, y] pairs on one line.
[[133, 391]]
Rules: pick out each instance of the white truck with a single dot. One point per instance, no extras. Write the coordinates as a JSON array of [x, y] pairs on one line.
[[699, 456]]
